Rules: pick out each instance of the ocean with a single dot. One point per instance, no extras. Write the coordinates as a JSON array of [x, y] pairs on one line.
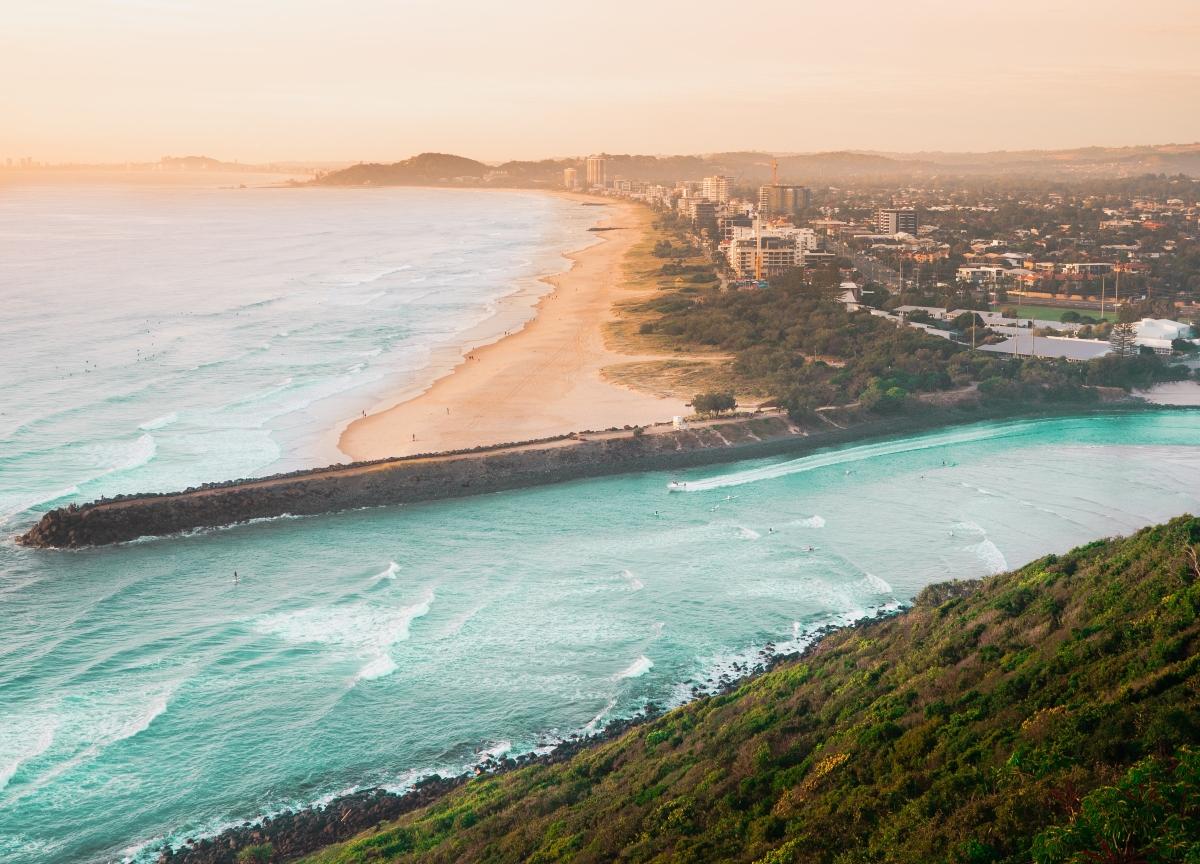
[[145, 697]]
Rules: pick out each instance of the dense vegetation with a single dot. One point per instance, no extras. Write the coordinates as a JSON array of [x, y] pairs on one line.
[[1049, 714], [806, 350]]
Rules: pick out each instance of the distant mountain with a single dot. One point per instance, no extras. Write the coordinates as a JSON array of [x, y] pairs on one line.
[[197, 163], [751, 168], [426, 169], [747, 168]]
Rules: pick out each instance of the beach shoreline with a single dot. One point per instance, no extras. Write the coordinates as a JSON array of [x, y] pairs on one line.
[[531, 370]]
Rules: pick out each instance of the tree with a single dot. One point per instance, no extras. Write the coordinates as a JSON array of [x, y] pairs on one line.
[[1123, 339], [713, 403]]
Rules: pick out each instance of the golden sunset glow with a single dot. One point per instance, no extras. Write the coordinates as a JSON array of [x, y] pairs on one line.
[[109, 80]]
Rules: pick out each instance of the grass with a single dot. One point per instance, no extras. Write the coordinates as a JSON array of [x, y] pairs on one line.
[[1050, 714], [684, 378], [1053, 313]]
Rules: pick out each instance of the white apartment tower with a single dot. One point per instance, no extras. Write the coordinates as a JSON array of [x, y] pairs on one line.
[[596, 171], [716, 189], [892, 220]]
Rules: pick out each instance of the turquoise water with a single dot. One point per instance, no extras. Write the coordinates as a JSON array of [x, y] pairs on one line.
[[144, 696]]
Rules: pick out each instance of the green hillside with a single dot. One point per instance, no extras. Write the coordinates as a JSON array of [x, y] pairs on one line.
[[1049, 714]]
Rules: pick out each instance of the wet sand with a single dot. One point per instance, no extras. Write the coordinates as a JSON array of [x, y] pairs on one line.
[[541, 380]]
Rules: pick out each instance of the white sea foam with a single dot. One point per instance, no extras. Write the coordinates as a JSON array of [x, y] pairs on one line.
[[848, 455], [978, 489], [875, 585], [135, 455], [637, 668], [735, 664], [22, 741], [363, 301], [592, 725], [496, 750], [84, 727], [813, 521], [388, 573], [634, 583], [748, 533], [34, 502], [366, 630], [991, 556], [160, 422]]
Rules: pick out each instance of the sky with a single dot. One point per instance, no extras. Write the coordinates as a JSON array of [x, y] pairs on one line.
[[334, 80]]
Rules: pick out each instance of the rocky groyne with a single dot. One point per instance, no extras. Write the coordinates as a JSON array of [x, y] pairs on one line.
[[436, 476], [415, 479]]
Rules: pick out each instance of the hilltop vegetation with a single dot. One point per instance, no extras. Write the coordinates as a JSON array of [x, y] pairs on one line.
[[425, 169], [1049, 714], [752, 168], [804, 350]]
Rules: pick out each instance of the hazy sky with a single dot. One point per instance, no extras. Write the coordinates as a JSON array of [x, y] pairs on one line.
[[111, 80]]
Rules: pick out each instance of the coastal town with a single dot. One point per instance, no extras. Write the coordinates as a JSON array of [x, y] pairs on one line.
[[1009, 270]]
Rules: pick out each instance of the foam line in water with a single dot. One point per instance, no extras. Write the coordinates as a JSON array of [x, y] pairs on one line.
[[990, 555], [592, 725], [19, 743], [634, 583], [82, 730], [35, 502], [159, 422], [389, 573], [848, 455], [364, 629], [637, 668]]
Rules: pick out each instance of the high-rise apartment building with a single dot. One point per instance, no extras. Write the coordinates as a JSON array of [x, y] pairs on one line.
[[780, 200], [895, 220], [715, 189], [570, 178], [596, 171]]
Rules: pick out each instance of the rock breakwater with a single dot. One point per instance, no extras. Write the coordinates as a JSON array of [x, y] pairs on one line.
[[415, 479]]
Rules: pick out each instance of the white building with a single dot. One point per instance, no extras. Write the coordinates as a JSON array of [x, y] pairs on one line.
[[597, 171], [978, 274], [716, 189], [1159, 333], [1094, 268], [895, 220]]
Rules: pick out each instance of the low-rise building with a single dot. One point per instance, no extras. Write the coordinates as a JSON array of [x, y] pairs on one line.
[[1086, 269], [1159, 334]]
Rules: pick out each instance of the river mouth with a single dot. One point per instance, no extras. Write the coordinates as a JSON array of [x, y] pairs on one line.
[[148, 696]]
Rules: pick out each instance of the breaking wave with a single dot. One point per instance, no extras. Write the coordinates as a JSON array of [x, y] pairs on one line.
[[637, 668], [852, 454]]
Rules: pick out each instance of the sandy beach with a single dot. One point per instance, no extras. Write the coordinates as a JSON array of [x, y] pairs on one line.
[[543, 379], [1173, 393]]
